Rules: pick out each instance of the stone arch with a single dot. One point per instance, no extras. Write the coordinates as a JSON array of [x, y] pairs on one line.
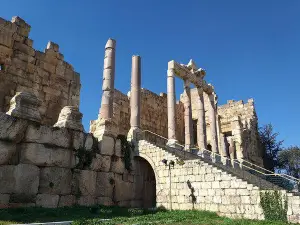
[[146, 180]]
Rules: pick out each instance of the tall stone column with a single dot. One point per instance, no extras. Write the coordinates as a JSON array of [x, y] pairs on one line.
[[106, 111], [171, 98], [213, 124], [201, 124], [135, 98], [188, 131]]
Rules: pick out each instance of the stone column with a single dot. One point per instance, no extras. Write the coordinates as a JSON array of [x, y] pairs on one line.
[[188, 130], [106, 111], [135, 99], [135, 92], [223, 145], [213, 124], [236, 127], [201, 124], [171, 107]]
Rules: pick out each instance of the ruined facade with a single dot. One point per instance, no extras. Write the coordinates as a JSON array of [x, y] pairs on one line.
[[46, 159], [24, 69]]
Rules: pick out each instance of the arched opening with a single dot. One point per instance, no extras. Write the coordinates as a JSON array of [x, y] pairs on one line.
[[145, 183], [209, 147]]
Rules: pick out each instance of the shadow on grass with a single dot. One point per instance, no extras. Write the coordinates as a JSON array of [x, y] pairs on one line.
[[38, 214]]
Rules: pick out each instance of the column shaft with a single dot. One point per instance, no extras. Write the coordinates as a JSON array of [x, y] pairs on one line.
[[201, 124], [189, 140], [106, 111], [135, 92], [171, 104], [213, 124]]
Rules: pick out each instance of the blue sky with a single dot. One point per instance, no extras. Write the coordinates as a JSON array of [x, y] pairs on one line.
[[250, 49]]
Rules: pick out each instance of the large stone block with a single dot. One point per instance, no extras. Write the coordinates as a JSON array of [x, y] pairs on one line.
[[67, 200], [107, 145], [25, 105], [47, 200], [48, 135], [4, 198], [27, 179], [7, 178], [105, 201], [117, 165], [78, 139], [105, 184], [40, 155], [12, 129], [7, 149], [124, 191], [101, 163], [55, 180], [84, 182], [86, 200], [71, 118]]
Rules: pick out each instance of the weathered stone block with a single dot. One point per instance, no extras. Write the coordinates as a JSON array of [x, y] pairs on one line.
[[86, 200], [40, 155], [4, 198], [107, 145], [118, 148], [12, 129], [47, 200], [89, 142], [124, 191], [117, 165], [22, 198], [7, 149], [48, 135], [78, 139], [105, 184], [27, 179], [101, 163], [71, 118], [55, 180], [105, 201], [86, 181], [25, 105], [67, 200], [7, 179]]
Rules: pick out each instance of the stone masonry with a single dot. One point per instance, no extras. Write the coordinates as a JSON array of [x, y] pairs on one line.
[[47, 160], [24, 69]]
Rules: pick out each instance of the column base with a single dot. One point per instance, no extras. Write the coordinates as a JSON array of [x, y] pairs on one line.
[[105, 127]]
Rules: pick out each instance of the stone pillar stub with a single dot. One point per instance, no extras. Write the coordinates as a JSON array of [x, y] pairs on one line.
[[135, 99], [201, 124], [26, 106], [171, 99], [71, 118], [213, 123], [106, 110], [189, 140]]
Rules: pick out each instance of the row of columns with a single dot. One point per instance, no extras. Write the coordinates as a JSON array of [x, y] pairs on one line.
[[201, 125], [106, 110]]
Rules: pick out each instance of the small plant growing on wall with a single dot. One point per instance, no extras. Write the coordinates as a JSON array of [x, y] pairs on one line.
[[126, 148], [85, 158], [274, 205]]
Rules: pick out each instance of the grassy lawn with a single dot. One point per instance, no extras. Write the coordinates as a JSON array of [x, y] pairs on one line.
[[93, 216]]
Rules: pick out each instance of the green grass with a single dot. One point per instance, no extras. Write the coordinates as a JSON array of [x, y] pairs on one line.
[[92, 215]]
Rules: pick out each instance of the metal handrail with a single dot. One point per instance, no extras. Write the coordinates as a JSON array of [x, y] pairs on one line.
[[271, 173]]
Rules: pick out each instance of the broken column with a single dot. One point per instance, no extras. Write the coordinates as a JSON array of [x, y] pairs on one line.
[[135, 98], [106, 111], [25, 105], [187, 115], [213, 123], [201, 125], [71, 118], [171, 107], [105, 125]]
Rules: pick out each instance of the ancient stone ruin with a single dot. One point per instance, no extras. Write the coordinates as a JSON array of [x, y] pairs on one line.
[[143, 150]]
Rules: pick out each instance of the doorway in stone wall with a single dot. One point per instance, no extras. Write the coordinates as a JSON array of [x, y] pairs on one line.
[[145, 184]]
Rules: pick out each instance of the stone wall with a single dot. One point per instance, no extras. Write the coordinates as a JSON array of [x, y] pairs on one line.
[[46, 166], [154, 114], [203, 186], [46, 74], [238, 120]]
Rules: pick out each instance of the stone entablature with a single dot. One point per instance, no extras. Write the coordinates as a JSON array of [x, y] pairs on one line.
[[24, 69]]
